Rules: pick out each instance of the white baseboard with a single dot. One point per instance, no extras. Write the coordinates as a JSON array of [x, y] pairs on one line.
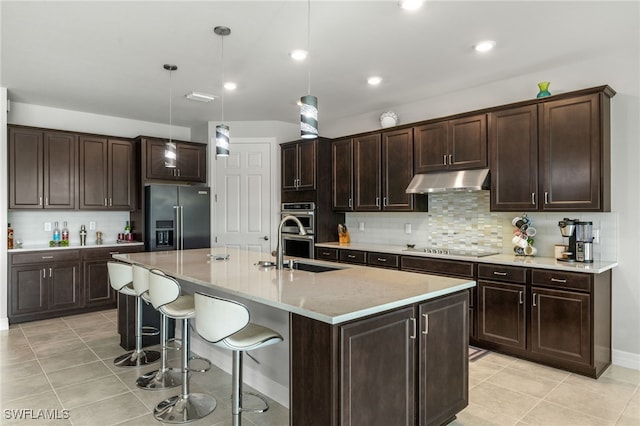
[[626, 359], [4, 323], [251, 376]]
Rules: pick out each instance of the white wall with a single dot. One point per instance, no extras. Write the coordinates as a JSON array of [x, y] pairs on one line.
[[4, 322], [620, 69]]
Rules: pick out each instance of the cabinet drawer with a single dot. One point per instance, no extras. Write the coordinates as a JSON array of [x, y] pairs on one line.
[[44, 256], [568, 280], [383, 259], [327, 254], [107, 252], [437, 266], [353, 256], [512, 274]]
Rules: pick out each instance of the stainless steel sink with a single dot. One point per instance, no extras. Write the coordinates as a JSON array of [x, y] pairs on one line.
[[313, 267]]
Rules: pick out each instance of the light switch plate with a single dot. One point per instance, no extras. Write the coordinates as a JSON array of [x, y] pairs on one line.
[[407, 228], [361, 226], [47, 226], [92, 226]]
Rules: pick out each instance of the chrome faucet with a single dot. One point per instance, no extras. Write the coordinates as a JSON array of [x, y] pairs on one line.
[[279, 249]]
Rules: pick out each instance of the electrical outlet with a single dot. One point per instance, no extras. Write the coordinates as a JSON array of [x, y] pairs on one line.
[[361, 226], [407, 228], [47, 226], [596, 236], [92, 226]]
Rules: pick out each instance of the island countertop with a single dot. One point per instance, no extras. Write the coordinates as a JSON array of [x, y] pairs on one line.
[[333, 297]]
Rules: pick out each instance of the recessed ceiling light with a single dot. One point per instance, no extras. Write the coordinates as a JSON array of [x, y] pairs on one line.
[[485, 46], [410, 4], [374, 80], [200, 97], [230, 85], [299, 55]]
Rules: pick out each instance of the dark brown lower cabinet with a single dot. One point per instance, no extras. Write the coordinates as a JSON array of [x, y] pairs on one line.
[[502, 315], [403, 367]]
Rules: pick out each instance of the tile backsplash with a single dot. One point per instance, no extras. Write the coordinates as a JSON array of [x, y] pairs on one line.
[[28, 226], [463, 220]]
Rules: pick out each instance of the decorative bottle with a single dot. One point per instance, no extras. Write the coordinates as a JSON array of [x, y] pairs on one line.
[[83, 235], [56, 233], [10, 237], [127, 232], [65, 231]]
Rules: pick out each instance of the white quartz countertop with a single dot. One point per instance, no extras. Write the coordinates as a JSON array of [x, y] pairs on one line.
[[40, 247], [333, 297], [498, 259]]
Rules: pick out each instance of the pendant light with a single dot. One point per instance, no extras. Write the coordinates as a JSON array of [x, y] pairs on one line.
[[170, 155], [222, 130], [309, 103]]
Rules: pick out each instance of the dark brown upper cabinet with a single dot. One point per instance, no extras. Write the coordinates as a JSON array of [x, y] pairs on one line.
[[299, 165], [42, 169], [454, 144], [367, 163], [553, 155], [342, 174], [107, 174], [191, 161]]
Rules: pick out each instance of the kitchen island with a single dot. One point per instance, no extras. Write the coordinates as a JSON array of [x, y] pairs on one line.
[[366, 346]]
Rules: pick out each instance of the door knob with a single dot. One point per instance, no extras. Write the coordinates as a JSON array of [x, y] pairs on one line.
[[266, 238]]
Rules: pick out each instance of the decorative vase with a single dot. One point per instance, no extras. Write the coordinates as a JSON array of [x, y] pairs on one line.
[[544, 89]]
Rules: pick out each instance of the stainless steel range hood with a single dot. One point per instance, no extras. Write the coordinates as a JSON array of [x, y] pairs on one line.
[[460, 180]]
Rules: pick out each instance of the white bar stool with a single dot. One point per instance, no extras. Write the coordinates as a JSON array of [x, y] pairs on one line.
[[225, 323], [164, 377], [164, 293], [121, 279]]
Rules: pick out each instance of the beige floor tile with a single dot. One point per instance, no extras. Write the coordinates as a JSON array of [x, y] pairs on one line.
[[479, 372], [88, 392], [52, 337], [13, 336], [46, 401], [496, 358], [603, 385], [475, 415], [277, 415], [631, 414], [109, 411], [549, 414], [622, 374], [522, 380], [105, 337], [78, 374], [540, 370], [57, 348], [41, 323], [502, 401], [144, 420], [56, 327], [21, 370], [23, 387], [15, 354], [107, 352], [67, 360]]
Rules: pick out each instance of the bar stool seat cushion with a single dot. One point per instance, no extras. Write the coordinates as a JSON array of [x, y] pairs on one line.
[[251, 337], [128, 290], [182, 308]]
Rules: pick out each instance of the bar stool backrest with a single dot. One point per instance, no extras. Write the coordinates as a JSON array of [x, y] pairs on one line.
[[120, 274], [218, 318], [140, 279], [162, 289]]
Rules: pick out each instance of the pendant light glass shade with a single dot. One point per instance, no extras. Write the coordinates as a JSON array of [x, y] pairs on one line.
[[222, 140], [170, 155], [308, 117]]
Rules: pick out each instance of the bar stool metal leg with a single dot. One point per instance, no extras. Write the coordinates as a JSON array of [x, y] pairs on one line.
[[138, 356], [165, 377], [187, 406]]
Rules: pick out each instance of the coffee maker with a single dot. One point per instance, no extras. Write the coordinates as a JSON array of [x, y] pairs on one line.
[[568, 229], [584, 242]]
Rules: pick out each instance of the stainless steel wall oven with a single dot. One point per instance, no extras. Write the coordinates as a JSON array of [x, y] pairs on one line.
[[294, 244]]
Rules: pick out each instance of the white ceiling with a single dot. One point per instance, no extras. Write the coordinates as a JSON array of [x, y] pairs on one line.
[[107, 57]]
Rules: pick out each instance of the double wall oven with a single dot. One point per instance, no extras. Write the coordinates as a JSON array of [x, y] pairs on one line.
[[293, 243]]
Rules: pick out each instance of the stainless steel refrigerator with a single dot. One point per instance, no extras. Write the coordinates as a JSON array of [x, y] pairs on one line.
[[177, 217]]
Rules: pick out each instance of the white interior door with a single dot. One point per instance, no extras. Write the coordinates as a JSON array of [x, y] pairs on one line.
[[243, 200]]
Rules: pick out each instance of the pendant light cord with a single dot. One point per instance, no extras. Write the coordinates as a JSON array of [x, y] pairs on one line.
[[309, 47], [222, 78], [170, 105]]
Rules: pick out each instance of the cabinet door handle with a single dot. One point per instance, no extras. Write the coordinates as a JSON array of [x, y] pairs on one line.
[[105, 202], [49, 272], [546, 198], [380, 259], [377, 201], [533, 198], [444, 159], [111, 253], [326, 253], [46, 201], [502, 274], [558, 280], [450, 159], [385, 202], [40, 201], [520, 297], [426, 324], [351, 256], [413, 328], [44, 272], [47, 257], [535, 297], [350, 203], [110, 202]]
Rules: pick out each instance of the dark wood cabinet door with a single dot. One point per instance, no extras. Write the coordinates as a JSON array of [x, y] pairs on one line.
[[501, 313], [513, 143], [155, 168], [307, 165], [561, 324], [367, 164], [342, 174], [570, 154], [289, 167], [64, 286], [191, 162], [373, 348], [443, 362], [97, 289], [26, 175], [431, 150], [94, 189], [60, 153], [397, 170], [28, 289], [468, 142], [120, 175]]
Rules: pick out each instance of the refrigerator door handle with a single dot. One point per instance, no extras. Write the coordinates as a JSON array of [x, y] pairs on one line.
[[181, 229], [178, 227]]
